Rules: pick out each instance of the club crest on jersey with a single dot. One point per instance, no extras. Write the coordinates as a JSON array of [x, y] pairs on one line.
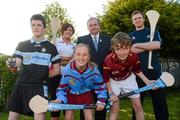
[[43, 50], [148, 36], [133, 37], [71, 82], [100, 40]]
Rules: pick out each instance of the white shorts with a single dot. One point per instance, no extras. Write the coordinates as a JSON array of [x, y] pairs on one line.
[[124, 86]]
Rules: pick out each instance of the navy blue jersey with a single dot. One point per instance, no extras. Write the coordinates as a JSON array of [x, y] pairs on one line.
[[142, 36], [36, 58]]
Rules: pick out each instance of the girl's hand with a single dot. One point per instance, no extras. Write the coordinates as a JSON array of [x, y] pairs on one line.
[[100, 106], [56, 101]]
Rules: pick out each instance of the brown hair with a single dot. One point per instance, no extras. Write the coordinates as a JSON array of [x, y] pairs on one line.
[[136, 12], [38, 17], [65, 26], [121, 38]]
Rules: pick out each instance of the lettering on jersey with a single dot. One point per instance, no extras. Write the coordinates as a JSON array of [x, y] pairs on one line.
[[36, 58], [115, 72], [43, 50]]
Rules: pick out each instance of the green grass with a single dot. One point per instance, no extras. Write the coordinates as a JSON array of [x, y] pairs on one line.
[[125, 112]]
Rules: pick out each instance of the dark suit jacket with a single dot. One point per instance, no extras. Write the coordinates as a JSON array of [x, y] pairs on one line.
[[103, 48]]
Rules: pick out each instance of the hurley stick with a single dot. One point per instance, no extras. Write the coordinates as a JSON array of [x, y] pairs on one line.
[[38, 104], [153, 17], [165, 80], [55, 25]]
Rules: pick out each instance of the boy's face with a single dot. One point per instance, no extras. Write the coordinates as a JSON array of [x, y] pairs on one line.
[[81, 56], [37, 28], [122, 51], [138, 20]]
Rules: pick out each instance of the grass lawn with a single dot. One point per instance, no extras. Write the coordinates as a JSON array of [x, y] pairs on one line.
[[125, 112]]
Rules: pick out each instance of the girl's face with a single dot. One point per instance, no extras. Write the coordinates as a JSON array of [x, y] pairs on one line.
[[37, 28], [81, 56], [122, 52], [68, 33]]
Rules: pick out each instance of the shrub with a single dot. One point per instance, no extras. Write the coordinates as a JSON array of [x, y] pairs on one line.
[[7, 80]]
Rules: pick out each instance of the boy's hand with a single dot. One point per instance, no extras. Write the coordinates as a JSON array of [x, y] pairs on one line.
[[11, 64], [113, 97], [152, 81]]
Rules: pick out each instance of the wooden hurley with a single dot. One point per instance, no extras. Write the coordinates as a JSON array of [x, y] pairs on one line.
[[55, 25], [39, 104], [165, 80], [153, 17]]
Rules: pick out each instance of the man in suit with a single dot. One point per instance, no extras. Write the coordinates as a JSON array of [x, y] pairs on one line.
[[100, 48]]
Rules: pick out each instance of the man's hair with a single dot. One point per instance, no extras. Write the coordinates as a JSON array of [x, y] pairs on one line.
[[136, 12], [91, 18], [65, 26], [39, 17], [121, 38]]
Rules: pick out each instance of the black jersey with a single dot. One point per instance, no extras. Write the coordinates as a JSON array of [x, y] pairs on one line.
[[36, 58]]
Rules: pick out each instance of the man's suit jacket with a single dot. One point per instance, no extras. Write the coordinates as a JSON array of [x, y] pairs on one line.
[[103, 48]]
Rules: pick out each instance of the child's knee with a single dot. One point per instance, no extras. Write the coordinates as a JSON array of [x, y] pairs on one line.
[[90, 118], [138, 108]]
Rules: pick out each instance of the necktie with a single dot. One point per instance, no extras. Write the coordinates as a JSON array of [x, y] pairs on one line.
[[95, 42]]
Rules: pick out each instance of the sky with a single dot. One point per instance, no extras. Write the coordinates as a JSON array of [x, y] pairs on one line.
[[15, 18]]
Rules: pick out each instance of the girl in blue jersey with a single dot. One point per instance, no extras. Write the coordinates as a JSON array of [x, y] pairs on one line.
[[80, 79]]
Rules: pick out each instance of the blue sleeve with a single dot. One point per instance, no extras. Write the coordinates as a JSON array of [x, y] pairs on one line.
[[61, 92], [100, 87], [157, 36]]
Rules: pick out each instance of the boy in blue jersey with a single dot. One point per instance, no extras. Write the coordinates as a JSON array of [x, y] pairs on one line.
[[79, 80], [142, 45], [33, 58]]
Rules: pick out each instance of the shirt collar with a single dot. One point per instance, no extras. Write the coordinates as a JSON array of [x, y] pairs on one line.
[[33, 41], [97, 36]]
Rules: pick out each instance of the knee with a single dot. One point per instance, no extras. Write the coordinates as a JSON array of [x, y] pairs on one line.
[[138, 108], [114, 111], [69, 117], [90, 118]]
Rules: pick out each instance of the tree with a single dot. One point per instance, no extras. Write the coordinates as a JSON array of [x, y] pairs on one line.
[[117, 17], [55, 10]]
